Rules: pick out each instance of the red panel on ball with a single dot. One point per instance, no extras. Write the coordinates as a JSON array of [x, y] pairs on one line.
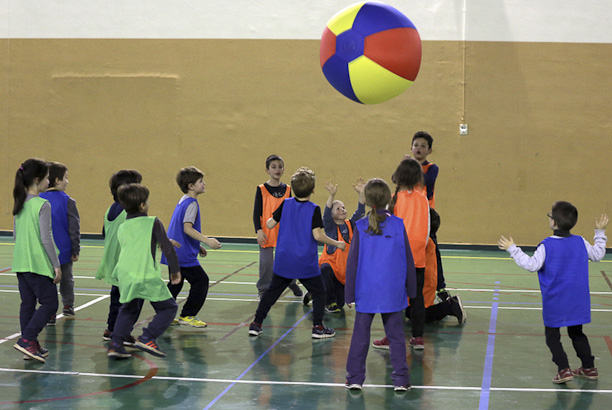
[[328, 46], [398, 50]]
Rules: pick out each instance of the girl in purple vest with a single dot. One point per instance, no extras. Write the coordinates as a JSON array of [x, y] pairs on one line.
[[380, 277]]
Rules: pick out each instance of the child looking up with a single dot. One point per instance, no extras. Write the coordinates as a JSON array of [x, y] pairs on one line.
[[34, 256], [139, 276], [562, 263], [297, 253], [380, 276], [66, 230]]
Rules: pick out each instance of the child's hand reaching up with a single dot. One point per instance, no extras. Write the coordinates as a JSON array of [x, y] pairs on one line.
[[331, 188], [602, 222], [504, 243]]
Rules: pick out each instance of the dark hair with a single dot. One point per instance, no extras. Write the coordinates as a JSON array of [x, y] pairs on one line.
[[407, 175], [273, 158], [425, 135], [303, 182], [125, 176], [131, 196], [186, 176], [29, 173], [565, 215], [377, 195], [57, 170]]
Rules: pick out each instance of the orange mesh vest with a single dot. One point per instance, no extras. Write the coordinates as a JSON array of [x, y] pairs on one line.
[[431, 274], [337, 260], [268, 206], [423, 188], [413, 208]]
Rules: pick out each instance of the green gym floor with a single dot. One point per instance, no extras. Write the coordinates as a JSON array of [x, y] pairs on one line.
[[497, 360]]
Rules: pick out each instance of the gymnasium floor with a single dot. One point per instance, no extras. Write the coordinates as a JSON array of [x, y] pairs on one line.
[[497, 360]]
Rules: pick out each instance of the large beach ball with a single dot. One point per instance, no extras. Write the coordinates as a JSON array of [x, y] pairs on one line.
[[370, 52]]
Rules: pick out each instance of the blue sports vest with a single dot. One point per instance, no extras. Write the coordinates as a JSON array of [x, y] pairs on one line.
[[188, 252], [59, 223], [380, 282], [297, 254], [564, 282]]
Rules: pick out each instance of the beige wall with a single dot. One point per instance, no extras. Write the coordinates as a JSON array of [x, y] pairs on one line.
[[538, 115]]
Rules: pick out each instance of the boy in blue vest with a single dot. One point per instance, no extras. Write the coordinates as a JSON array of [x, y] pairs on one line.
[[561, 261], [301, 227], [66, 227], [185, 228]]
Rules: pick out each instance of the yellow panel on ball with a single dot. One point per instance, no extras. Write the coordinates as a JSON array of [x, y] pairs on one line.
[[344, 19], [387, 85]]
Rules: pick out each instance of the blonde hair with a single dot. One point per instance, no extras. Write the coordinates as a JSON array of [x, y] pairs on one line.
[[377, 196]]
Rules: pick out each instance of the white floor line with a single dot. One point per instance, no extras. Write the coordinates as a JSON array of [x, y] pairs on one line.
[[298, 383]]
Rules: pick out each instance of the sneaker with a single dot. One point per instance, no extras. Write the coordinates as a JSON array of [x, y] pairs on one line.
[[443, 294], [43, 352], [322, 332], [307, 299], [68, 311], [175, 322], [150, 346], [352, 386], [106, 336], [116, 352], [457, 309], [405, 387], [29, 348], [52, 321], [590, 373], [332, 308], [564, 375], [129, 341], [381, 344], [417, 343], [295, 288], [192, 321], [255, 329]]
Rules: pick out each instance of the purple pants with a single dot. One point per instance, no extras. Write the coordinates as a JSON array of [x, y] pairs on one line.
[[35, 288], [360, 343]]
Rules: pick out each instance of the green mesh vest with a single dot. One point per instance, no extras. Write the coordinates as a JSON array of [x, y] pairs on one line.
[[138, 274], [111, 248], [29, 253]]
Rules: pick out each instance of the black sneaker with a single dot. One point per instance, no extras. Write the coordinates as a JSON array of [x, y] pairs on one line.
[[333, 308], [150, 346], [68, 311], [307, 299], [443, 294], [29, 348], [322, 332], [457, 309], [295, 288], [116, 352], [107, 335], [255, 329], [41, 350], [52, 321], [129, 341]]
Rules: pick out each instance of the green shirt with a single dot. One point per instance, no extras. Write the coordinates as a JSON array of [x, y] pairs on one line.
[[111, 248], [29, 254], [138, 274]]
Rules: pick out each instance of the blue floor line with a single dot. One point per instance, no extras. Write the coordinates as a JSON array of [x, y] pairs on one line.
[[485, 389], [257, 361]]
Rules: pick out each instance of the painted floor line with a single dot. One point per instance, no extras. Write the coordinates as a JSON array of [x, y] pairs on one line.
[[298, 383]]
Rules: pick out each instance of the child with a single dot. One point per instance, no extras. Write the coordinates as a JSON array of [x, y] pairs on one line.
[[561, 261], [297, 254], [114, 217], [412, 206], [34, 257], [268, 197], [333, 262], [66, 231], [185, 228], [380, 276], [139, 276]]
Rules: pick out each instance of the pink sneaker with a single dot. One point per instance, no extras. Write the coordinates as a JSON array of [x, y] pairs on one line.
[[381, 344], [417, 343]]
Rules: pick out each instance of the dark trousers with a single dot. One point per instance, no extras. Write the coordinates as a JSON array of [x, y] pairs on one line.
[[278, 284], [333, 287], [417, 306], [198, 279], [441, 281], [34, 288], [113, 309], [360, 343], [580, 342], [165, 311]]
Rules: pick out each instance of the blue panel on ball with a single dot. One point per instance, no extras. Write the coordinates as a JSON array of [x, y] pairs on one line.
[[349, 45], [375, 17], [336, 71]]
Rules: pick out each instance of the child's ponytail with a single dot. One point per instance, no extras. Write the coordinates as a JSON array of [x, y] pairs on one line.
[[377, 195], [27, 175]]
